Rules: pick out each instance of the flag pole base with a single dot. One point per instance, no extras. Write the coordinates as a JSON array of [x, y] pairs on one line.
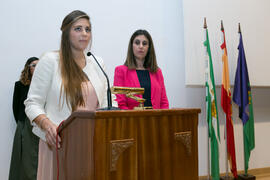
[[227, 177], [246, 176]]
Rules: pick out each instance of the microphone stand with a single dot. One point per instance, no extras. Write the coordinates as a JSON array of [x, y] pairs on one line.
[[109, 94]]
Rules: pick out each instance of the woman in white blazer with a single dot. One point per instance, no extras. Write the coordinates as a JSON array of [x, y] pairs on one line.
[[64, 81]]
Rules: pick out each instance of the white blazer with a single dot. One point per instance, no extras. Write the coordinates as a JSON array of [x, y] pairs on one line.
[[44, 93]]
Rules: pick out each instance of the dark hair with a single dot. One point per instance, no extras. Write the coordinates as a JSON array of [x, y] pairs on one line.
[[26, 75], [150, 61], [72, 75]]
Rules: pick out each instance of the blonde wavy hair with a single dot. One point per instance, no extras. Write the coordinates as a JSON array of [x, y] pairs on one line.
[[26, 75]]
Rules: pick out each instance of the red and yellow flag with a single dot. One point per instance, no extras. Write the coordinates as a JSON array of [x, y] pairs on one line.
[[226, 103]]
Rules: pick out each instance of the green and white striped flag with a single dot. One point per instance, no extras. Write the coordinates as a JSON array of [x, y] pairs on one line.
[[212, 113]]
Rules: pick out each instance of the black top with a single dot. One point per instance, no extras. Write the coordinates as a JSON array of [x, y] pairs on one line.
[[19, 95], [145, 82]]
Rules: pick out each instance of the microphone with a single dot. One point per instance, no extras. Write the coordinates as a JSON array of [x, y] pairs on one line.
[[109, 93]]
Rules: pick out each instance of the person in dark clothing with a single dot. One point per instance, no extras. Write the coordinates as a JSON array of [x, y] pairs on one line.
[[24, 159]]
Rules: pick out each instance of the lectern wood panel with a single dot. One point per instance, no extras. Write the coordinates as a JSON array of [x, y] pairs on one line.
[[130, 145]]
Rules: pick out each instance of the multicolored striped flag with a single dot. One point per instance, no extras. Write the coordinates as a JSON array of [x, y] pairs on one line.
[[212, 113], [242, 97], [226, 104]]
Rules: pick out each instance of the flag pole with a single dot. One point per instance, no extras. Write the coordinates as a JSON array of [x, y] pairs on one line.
[[225, 125], [239, 31], [226, 177], [239, 28], [244, 176], [207, 129]]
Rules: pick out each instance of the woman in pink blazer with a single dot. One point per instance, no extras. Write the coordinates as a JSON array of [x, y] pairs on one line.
[[141, 70]]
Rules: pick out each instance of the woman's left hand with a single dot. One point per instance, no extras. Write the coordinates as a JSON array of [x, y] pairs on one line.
[[51, 133]]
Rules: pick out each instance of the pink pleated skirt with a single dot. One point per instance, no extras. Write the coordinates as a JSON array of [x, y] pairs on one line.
[[45, 162]]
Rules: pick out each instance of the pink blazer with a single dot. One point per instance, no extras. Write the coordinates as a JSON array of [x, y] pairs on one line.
[[128, 78]]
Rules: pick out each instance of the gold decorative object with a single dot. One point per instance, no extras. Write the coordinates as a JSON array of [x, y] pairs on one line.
[[130, 92], [185, 138], [117, 147]]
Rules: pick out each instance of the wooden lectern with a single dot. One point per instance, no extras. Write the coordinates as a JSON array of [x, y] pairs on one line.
[[129, 145]]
